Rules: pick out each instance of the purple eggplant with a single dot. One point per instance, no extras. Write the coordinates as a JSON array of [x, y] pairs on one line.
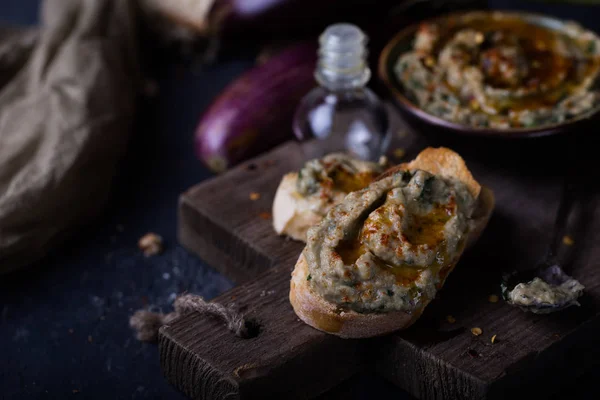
[[254, 113]]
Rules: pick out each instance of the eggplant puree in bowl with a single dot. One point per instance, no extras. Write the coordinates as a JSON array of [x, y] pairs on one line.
[[496, 70]]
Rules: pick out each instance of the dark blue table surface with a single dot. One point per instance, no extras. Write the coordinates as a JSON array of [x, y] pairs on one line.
[[64, 324]]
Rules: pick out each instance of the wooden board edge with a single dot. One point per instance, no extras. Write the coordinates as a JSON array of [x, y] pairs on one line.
[[215, 253], [551, 370], [422, 375], [205, 377]]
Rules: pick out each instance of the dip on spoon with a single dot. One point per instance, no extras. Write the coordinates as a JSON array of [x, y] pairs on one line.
[[546, 288]]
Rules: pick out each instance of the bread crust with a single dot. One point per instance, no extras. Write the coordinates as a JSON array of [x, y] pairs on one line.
[[288, 217], [326, 316]]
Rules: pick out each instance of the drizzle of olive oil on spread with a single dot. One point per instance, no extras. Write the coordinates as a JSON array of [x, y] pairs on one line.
[[389, 246]]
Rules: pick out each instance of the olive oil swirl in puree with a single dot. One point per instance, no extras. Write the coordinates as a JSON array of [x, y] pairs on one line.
[[498, 70], [389, 246]]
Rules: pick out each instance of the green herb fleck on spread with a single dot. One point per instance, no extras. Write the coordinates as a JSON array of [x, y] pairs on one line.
[[308, 278], [390, 293]]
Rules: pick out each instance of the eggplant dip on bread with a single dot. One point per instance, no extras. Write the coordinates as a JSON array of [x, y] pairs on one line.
[[378, 257], [303, 198]]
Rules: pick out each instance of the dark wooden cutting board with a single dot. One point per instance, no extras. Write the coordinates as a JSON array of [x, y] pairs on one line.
[[434, 359]]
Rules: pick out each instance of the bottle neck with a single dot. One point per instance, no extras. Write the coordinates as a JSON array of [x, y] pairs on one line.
[[342, 61]]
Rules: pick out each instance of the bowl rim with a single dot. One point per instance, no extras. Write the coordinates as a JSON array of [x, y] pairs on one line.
[[405, 103]]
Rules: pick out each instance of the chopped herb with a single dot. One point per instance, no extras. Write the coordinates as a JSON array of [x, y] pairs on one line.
[[390, 293], [426, 192], [591, 47], [309, 277], [416, 84]]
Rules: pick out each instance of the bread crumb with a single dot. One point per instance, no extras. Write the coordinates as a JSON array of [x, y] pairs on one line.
[[493, 339], [265, 215], [568, 240], [476, 331], [450, 319], [254, 196], [399, 152], [493, 298], [151, 244]]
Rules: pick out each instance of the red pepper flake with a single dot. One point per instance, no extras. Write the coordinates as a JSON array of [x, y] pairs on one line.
[[265, 215]]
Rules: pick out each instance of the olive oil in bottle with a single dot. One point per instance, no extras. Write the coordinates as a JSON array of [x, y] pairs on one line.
[[342, 114]]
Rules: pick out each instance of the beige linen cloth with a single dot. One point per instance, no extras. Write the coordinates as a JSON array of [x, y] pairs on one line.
[[67, 94]]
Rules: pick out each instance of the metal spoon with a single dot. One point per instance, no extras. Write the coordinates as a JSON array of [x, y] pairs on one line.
[[546, 287]]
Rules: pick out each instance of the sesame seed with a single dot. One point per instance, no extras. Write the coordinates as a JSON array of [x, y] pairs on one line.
[[476, 331], [399, 152], [568, 240]]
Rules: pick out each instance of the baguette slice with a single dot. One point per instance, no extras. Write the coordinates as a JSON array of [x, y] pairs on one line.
[[326, 316], [291, 215]]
